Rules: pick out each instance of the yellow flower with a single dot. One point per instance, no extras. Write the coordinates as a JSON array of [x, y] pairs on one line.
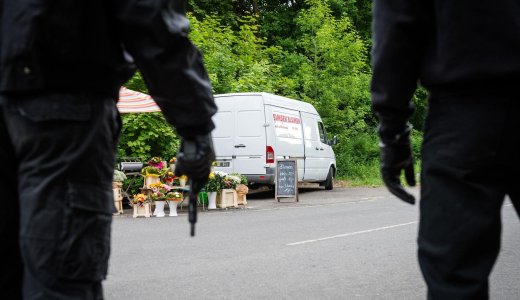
[[211, 175], [139, 198], [156, 185]]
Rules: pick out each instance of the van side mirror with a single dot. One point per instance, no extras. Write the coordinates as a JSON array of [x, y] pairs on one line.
[[334, 140]]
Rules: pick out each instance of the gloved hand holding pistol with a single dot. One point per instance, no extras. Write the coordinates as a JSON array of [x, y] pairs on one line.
[[194, 160], [396, 155]]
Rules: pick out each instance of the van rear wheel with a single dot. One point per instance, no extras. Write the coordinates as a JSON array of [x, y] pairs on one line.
[[328, 184]]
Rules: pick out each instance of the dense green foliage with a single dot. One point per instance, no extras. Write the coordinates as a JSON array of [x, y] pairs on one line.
[[311, 50], [144, 135]]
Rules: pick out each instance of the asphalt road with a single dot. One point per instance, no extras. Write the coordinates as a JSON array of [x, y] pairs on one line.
[[349, 243]]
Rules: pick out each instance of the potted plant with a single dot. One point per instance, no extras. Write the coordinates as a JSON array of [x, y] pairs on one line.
[[170, 178], [141, 205], [173, 198], [213, 186], [182, 180], [158, 195], [155, 169], [228, 195]]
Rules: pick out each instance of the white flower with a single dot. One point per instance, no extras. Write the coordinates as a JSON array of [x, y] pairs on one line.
[[220, 173], [234, 178]]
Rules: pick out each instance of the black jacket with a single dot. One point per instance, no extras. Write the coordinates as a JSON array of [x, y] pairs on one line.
[[93, 46], [454, 47]]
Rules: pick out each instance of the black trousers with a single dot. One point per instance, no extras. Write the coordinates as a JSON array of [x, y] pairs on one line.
[[57, 154], [470, 162]]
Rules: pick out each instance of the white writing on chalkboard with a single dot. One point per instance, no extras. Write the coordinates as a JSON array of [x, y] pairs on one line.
[[286, 184]]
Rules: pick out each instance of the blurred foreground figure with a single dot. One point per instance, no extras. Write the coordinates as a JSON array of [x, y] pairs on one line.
[[62, 63], [467, 55]]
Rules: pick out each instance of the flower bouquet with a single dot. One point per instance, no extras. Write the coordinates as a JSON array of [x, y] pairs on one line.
[[139, 200], [170, 178], [118, 176], [230, 182], [141, 205], [174, 196], [214, 183], [155, 169], [159, 191], [158, 194]]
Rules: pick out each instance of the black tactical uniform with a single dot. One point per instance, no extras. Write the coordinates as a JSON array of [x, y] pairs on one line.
[[61, 65], [467, 54]]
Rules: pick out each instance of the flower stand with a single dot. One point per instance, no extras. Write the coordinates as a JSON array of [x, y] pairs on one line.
[[118, 197], [148, 180], [142, 210], [228, 198], [173, 206], [212, 200], [159, 209], [242, 190]]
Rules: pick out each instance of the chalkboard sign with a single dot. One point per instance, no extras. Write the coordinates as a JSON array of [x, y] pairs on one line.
[[286, 179]]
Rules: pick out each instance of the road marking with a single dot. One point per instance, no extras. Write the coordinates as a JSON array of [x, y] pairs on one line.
[[508, 205], [351, 234]]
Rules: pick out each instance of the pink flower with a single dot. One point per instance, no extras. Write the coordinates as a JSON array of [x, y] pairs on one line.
[[159, 165]]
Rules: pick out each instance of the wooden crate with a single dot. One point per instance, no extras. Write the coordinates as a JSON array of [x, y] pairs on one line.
[[142, 211], [227, 198]]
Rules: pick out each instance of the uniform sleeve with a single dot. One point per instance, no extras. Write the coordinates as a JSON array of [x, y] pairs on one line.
[[398, 29], [155, 33]]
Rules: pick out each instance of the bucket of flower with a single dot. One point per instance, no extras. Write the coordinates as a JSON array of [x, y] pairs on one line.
[[158, 192], [141, 205], [152, 173], [228, 195], [173, 198]]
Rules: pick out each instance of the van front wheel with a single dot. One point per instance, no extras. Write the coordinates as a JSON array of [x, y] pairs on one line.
[[328, 184]]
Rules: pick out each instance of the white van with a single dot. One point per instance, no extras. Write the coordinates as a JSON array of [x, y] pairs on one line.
[[254, 129]]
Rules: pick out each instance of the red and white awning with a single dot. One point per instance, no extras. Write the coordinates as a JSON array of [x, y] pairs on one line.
[[135, 102]]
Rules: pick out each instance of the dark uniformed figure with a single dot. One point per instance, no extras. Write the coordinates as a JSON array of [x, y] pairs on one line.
[[467, 55], [62, 63]]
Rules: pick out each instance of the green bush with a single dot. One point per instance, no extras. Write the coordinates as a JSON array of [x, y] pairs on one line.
[[146, 135], [357, 157], [133, 185]]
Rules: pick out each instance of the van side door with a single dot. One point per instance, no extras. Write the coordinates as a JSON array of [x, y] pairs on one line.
[[313, 155], [326, 151]]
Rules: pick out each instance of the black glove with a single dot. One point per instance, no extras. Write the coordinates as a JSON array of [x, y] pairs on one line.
[[396, 155], [195, 158]]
